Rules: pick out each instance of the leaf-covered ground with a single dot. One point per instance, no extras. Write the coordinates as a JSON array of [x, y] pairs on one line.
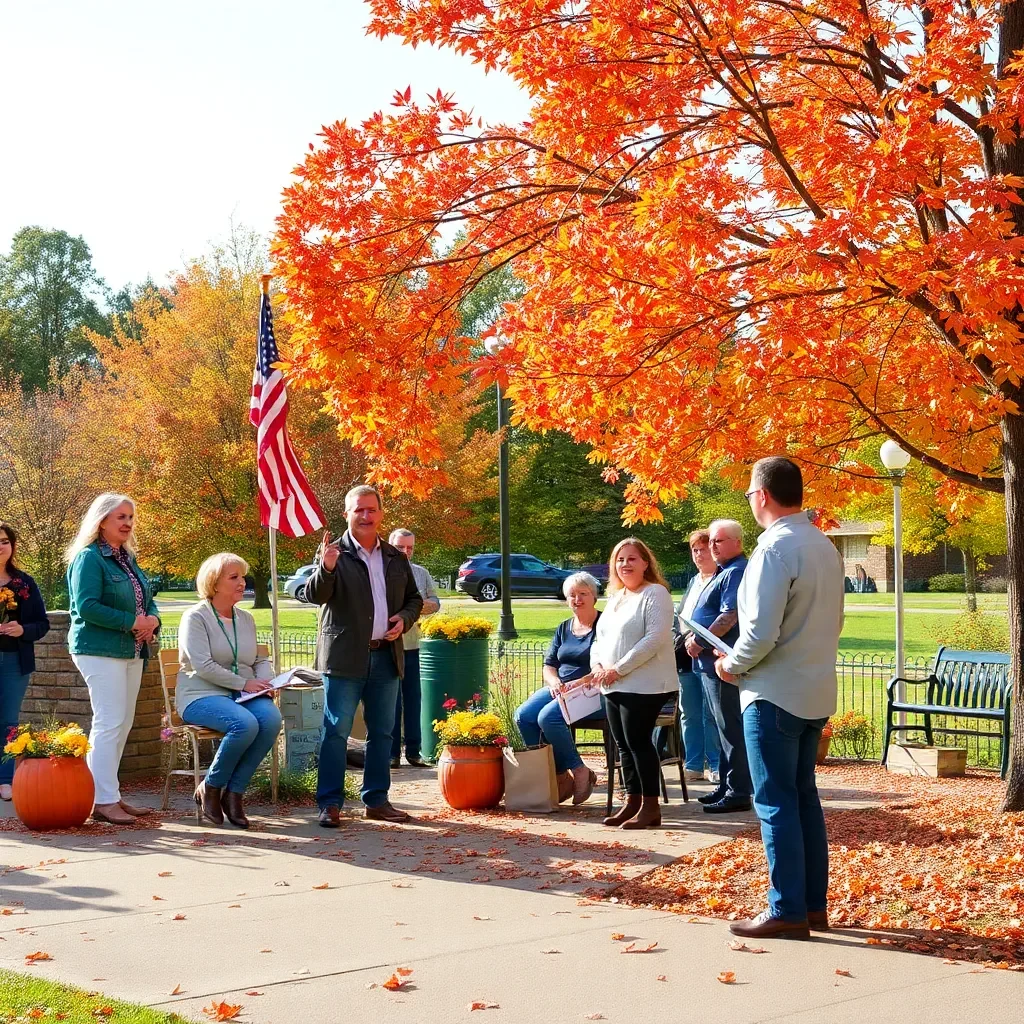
[[935, 868]]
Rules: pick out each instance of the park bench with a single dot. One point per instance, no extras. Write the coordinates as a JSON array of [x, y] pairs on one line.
[[965, 684]]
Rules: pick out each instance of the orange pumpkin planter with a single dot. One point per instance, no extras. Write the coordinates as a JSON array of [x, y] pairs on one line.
[[471, 778], [53, 792]]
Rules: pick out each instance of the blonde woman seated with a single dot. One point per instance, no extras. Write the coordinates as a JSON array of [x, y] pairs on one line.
[[219, 662]]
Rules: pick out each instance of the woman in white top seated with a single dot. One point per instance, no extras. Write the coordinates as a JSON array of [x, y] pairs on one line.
[[219, 661], [633, 660]]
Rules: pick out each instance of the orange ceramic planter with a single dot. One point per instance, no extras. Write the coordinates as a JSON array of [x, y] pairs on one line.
[[471, 778], [823, 745], [52, 792]]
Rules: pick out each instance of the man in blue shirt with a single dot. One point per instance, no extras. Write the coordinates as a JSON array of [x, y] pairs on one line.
[[717, 611]]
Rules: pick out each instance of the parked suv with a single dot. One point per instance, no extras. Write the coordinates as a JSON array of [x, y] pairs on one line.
[[480, 577], [298, 579]]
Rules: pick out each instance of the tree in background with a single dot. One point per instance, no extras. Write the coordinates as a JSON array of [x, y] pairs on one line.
[[50, 452], [49, 302], [746, 228]]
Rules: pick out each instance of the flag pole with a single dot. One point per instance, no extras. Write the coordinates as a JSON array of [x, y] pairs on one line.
[[275, 628]]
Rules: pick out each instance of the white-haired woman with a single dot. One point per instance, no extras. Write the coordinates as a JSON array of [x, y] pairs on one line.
[[219, 662], [113, 620], [567, 662]]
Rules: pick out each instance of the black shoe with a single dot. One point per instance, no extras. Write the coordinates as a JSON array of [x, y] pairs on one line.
[[416, 761], [330, 817], [396, 762], [713, 797], [728, 804]]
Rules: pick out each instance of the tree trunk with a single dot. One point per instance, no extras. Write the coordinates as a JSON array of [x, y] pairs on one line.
[[261, 592], [1009, 159], [1013, 471], [970, 578]]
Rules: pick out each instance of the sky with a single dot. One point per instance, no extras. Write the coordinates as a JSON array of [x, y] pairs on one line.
[[147, 127]]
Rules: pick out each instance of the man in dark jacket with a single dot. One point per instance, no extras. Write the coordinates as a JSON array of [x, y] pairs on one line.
[[369, 599]]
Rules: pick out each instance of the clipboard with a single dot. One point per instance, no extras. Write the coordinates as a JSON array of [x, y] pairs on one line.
[[709, 638]]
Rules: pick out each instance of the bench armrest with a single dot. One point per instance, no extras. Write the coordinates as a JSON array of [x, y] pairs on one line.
[[890, 686]]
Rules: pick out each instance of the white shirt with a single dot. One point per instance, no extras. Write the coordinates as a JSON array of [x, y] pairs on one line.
[[374, 561], [790, 618], [634, 636]]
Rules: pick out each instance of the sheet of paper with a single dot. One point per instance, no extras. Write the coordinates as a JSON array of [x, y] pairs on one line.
[[707, 638], [277, 683]]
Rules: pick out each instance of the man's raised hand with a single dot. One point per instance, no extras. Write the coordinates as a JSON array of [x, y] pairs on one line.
[[328, 553]]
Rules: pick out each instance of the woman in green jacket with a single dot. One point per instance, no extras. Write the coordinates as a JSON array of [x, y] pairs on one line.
[[113, 619]]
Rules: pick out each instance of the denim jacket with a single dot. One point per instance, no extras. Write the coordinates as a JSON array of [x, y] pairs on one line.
[[102, 604]]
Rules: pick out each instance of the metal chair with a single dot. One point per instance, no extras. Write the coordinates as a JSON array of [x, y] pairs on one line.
[[169, 664]]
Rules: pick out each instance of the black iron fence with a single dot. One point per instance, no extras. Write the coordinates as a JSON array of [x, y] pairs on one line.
[[862, 689]]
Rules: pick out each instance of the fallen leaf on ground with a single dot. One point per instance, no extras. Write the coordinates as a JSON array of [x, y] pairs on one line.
[[178, 917], [34, 958], [302, 970], [948, 961], [843, 972], [323, 885], [872, 941], [164, 874], [254, 993], [404, 972], [158, 897], [401, 885], [282, 883], [742, 947], [394, 983], [593, 1016], [222, 1011], [727, 977], [479, 1004], [617, 936], [634, 948], [176, 991], [661, 977], [234, 906], [551, 951], [478, 917], [103, 1011], [266, 951]]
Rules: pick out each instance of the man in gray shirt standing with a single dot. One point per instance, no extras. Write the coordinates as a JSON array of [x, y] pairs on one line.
[[790, 616], [409, 691]]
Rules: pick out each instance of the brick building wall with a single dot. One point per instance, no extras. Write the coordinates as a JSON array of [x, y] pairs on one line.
[[57, 690]]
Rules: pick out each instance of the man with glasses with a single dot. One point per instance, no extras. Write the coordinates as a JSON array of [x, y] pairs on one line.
[[784, 663], [716, 610]]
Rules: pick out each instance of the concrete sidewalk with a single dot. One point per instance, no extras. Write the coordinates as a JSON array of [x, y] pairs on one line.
[[298, 923]]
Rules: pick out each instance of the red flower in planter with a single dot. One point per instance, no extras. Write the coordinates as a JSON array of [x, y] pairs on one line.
[[450, 704]]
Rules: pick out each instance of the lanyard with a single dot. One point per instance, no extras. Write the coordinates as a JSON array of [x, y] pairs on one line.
[[234, 628]]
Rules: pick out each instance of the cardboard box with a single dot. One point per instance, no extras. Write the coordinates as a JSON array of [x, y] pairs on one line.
[[917, 759], [300, 748]]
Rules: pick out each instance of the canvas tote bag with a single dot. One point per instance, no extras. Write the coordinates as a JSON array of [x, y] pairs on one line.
[[530, 783]]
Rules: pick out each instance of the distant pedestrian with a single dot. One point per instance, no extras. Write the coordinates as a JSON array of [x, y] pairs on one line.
[[24, 623], [409, 691], [634, 664], [567, 662], [784, 663], [369, 599], [716, 610], [113, 620]]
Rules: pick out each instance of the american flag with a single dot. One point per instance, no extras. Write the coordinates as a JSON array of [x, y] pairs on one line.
[[287, 502]]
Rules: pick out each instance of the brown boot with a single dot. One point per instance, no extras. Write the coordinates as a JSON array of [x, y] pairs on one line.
[[625, 812], [649, 816], [208, 801], [234, 810]]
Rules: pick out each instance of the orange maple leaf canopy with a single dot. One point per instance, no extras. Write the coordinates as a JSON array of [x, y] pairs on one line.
[[744, 228]]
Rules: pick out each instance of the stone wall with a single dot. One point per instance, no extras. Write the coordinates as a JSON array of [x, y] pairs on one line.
[[56, 689]]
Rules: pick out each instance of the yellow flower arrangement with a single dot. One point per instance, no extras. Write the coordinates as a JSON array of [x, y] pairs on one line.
[[58, 740], [470, 727], [456, 627]]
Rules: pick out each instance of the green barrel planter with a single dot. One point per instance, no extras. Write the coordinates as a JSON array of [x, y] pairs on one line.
[[449, 670]]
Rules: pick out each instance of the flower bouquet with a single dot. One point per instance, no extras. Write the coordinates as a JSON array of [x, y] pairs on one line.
[[469, 768]]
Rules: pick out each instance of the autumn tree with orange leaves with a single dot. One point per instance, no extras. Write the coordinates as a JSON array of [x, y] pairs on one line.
[[746, 226]]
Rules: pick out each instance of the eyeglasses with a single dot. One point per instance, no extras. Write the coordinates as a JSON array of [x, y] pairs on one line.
[[754, 491]]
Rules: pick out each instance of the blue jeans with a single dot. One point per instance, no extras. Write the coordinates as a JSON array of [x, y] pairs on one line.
[[724, 701], [12, 691], [409, 698], [782, 749], [249, 733], [700, 732], [378, 690], [541, 714]]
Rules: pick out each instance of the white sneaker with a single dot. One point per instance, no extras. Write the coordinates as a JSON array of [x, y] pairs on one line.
[[692, 776], [712, 776]]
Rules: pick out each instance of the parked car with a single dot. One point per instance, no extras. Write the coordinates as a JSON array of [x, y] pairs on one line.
[[298, 580], [480, 577]]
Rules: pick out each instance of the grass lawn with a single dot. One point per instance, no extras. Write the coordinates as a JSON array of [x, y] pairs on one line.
[[24, 998]]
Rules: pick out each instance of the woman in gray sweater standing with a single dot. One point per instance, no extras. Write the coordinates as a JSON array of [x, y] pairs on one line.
[[634, 663], [219, 661]]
